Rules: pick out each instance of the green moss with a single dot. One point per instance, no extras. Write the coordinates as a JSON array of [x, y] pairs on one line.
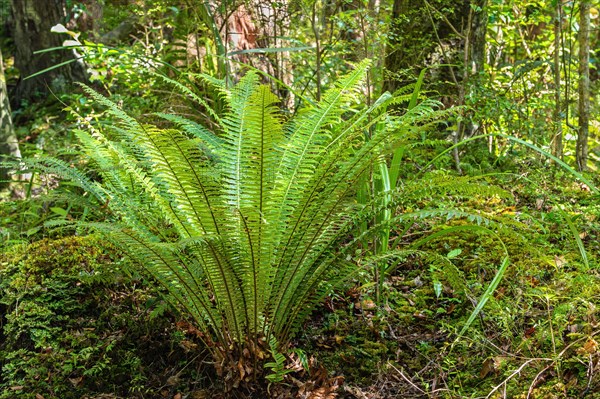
[[76, 326]]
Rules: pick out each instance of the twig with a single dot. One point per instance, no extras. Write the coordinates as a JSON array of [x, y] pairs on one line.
[[405, 378], [532, 386], [590, 373], [552, 363], [445, 20], [517, 371]]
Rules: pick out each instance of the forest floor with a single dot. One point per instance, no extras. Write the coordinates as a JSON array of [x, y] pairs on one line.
[[76, 323]]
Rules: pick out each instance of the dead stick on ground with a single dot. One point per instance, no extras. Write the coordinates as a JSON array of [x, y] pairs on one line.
[[405, 378], [517, 371]]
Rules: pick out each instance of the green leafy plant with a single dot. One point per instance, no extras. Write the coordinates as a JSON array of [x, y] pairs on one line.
[[384, 180], [388, 176], [247, 224], [277, 366]]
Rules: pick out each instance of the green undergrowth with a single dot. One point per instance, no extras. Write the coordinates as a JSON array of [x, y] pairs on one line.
[[536, 336], [75, 325], [544, 319]]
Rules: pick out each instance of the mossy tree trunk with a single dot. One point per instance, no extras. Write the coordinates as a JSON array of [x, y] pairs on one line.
[[448, 37], [422, 35], [431, 33], [584, 84]]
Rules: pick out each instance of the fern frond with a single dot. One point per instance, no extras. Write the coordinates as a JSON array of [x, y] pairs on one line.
[[65, 170], [130, 122], [185, 90], [309, 137], [212, 141], [440, 185], [169, 268]]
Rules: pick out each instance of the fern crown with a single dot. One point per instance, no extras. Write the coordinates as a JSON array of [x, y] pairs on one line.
[[245, 224]]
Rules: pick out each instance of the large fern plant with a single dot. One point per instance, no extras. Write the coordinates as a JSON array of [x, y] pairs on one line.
[[246, 225]]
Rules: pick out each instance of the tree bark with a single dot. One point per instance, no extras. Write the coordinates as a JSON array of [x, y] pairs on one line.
[[584, 85], [477, 32], [557, 142], [424, 34], [9, 146], [395, 59], [33, 20]]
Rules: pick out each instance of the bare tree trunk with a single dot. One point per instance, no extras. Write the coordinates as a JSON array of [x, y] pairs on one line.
[[32, 22], [557, 142], [9, 146], [584, 84], [478, 31], [473, 61], [316, 31]]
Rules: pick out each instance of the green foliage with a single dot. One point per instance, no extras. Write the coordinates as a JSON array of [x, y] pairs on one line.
[[277, 367], [416, 190], [249, 239], [542, 316], [249, 218]]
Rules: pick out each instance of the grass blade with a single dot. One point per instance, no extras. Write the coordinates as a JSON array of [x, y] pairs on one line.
[[486, 296]]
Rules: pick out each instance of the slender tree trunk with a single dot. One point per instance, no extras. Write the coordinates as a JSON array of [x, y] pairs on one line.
[[394, 58], [9, 146], [33, 20], [317, 32], [473, 61], [584, 84], [462, 88], [478, 32], [557, 143]]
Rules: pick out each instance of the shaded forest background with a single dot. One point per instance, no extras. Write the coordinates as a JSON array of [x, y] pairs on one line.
[[476, 276]]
